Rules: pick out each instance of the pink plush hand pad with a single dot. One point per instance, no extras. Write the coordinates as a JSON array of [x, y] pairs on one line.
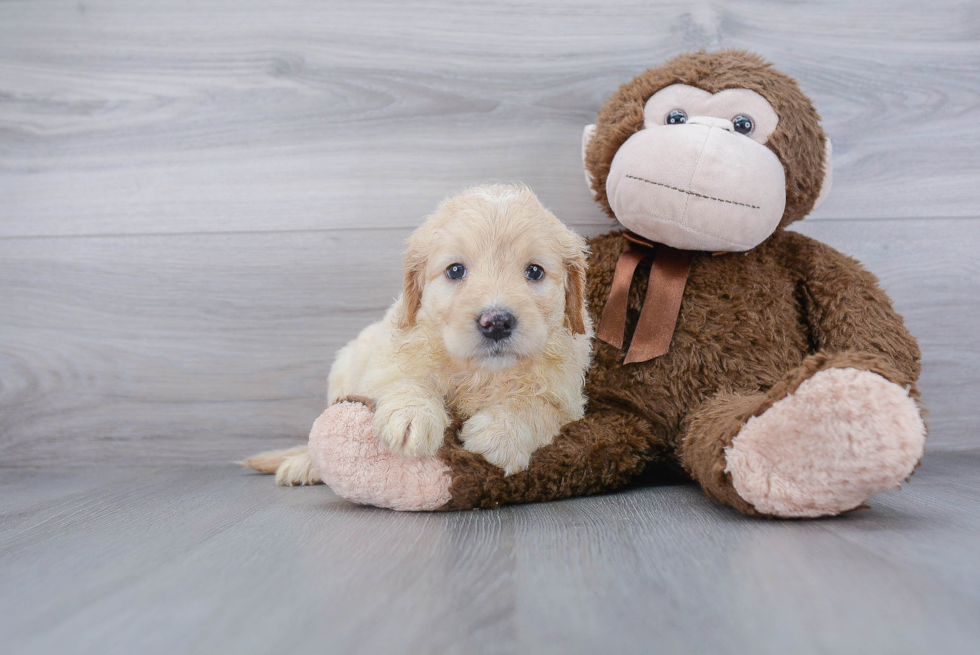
[[357, 467]]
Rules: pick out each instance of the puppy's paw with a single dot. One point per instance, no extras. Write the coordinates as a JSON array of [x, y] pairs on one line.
[[412, 430], [502, 440], [297, 470]]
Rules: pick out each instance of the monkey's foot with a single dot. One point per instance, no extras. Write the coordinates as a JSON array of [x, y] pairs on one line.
[[358, 467], [841, 437]]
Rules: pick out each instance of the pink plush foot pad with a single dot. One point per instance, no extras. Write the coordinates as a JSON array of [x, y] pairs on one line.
[[357, 467], [843, 436]]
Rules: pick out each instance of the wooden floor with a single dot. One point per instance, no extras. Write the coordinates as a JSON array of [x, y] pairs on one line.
[[217, 560], [201, 202]]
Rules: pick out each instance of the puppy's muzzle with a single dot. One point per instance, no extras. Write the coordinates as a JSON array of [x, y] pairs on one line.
[[496, 324]]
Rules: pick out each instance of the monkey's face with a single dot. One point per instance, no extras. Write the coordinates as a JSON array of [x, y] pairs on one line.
[[698, 175], [706, 151]]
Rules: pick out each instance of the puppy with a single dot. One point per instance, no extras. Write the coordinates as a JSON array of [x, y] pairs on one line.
[[491, 328]]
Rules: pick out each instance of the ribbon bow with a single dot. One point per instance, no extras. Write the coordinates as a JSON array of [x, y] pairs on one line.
[[662, 304]]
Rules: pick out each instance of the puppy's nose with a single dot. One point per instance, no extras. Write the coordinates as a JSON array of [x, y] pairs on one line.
[[497, 324]]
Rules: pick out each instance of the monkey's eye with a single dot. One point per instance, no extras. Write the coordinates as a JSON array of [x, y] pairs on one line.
[[534, 272], [743, 124], [455, 271], [676, 117]]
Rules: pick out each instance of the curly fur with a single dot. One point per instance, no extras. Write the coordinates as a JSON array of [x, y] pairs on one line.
[[427, 361]]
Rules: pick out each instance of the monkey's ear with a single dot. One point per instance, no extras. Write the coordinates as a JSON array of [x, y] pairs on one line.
[[828, 174], [412, 292], [587, 135]]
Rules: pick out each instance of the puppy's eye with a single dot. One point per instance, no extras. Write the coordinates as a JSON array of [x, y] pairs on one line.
[[534, 272], [676, 117], [455, 271]]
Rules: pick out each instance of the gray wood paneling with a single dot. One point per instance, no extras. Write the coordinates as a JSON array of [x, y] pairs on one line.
[[199, 203], [205, 347], [154, 346], [142, 117], [217, 560]]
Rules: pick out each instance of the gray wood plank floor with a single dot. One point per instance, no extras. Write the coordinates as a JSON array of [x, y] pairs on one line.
[[217, 560]]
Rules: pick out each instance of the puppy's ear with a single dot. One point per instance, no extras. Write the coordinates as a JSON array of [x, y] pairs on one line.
[[412, 291], [575, 267]]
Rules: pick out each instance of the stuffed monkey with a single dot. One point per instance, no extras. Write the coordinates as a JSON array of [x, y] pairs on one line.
[[763, 364]]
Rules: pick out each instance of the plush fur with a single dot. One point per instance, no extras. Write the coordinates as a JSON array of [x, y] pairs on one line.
[[789, 388], [828, 446]]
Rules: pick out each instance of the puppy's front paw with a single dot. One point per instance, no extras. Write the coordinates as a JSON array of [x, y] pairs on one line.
[[414, 430], [502, 440]]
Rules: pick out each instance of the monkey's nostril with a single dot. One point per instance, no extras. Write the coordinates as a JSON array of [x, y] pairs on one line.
[[496, 325]]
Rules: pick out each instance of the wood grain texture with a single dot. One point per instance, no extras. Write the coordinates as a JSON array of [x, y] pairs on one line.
[[214, 560], [202, 202], [139, 117], [191, 348], [147, 347]]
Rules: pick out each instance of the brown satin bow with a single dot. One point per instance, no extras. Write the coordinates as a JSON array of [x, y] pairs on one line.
[[658, 317]]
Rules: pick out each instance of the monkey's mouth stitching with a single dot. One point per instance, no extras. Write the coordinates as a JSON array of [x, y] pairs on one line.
[[691, 193]]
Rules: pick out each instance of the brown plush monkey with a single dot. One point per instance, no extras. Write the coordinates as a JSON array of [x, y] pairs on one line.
[[763, 364]]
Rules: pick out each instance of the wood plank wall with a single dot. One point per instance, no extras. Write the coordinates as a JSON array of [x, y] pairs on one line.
[[200, 202]]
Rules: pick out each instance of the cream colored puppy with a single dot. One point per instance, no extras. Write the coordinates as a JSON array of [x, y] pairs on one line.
[[491, 328]]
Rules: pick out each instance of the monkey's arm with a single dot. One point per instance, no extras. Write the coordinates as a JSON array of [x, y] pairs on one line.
[[603, 451], [848, 312]]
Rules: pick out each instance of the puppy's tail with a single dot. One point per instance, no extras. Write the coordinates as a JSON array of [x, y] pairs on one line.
[[292, 466], [270, 460]]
